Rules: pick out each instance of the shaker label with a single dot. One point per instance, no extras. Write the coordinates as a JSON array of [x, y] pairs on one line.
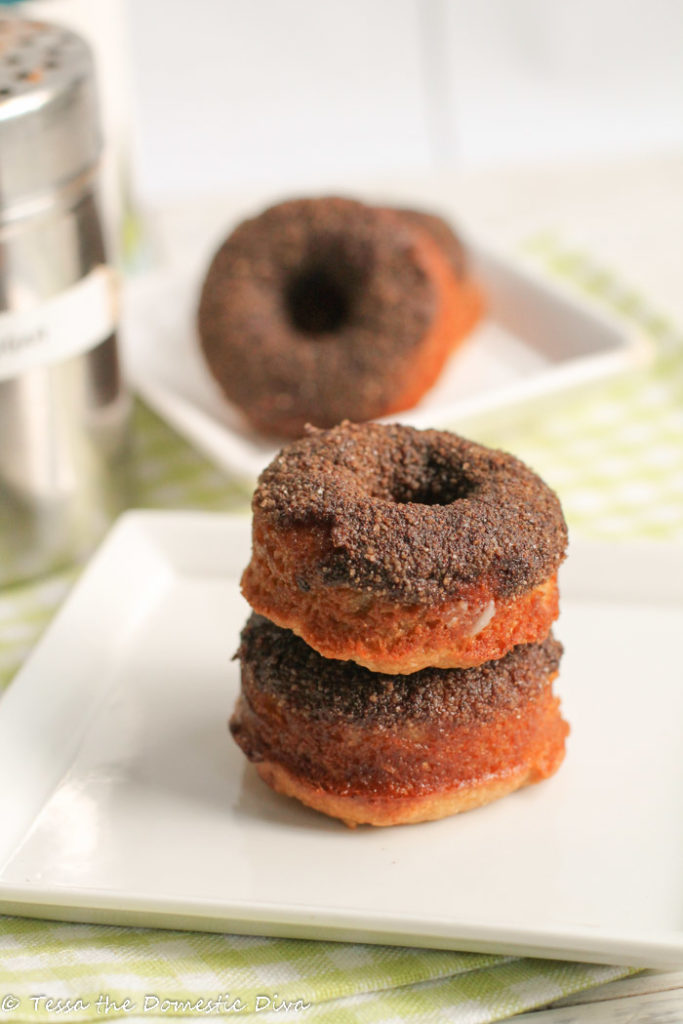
[[63, 326]]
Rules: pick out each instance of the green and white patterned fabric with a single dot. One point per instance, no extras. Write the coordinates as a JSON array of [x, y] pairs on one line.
[[615, 455], [163, 974]]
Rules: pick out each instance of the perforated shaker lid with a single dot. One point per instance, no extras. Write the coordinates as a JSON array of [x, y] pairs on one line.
[[49, 122]]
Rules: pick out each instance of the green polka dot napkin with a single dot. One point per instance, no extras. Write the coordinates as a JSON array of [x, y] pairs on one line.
[[614, 454]]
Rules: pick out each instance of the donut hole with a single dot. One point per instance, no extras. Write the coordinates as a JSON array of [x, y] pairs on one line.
[[317, 301], [432, 490], [429, 496]]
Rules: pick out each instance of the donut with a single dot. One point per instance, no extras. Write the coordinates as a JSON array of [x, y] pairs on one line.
[[324, 309], [400, 548], [379, 749]]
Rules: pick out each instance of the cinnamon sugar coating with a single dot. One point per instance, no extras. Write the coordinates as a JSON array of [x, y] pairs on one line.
[[414, 516], [278, 663]]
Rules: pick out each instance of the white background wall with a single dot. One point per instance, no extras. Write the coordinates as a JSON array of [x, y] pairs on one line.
[[275, 89], [304, 92]]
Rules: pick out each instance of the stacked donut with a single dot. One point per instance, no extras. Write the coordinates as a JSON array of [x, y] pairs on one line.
[[400, 663]]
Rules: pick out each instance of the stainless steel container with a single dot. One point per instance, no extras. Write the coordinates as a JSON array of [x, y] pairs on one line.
[[63, 410]]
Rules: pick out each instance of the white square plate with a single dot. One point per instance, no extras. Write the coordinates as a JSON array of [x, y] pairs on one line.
[[125, 800], [536, 338]]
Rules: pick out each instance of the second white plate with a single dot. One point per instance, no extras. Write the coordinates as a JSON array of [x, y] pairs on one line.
[[535, 339], [123, 798]]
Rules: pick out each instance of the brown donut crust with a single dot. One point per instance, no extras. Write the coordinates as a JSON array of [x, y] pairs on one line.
[[383, 811], [443, 234], [386, 636], [406, 310], [382, 749]]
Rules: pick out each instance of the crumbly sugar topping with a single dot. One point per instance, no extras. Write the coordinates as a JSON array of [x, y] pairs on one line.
[[414, 515], [277, 662]]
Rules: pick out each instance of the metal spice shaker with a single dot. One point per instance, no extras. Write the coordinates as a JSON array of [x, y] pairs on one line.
[[63, 409]]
